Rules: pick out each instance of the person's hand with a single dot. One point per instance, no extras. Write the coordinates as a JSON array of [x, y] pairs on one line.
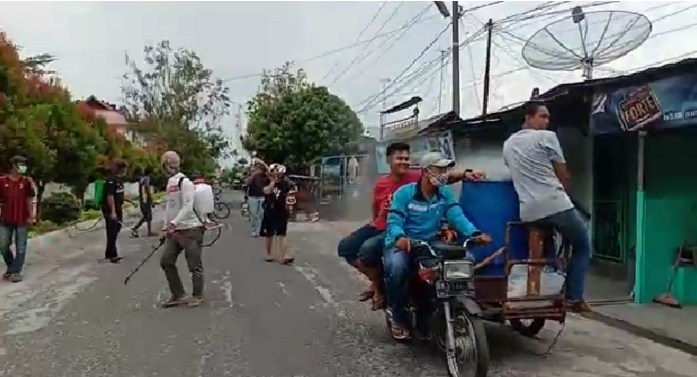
[[482, 239], [171, 227], [475, 175], [113, 216], [163, 235], [403, 244]]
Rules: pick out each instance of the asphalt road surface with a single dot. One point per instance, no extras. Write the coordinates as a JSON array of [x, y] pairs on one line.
[[261, 319]]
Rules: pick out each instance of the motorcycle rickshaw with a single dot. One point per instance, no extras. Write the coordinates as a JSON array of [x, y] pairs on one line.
[[515, 281], [510, 280]]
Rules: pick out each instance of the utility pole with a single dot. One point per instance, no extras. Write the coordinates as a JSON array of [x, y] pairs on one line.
[[456, 58], [443, 9], [384, 105], [442, 77], [487, 67]]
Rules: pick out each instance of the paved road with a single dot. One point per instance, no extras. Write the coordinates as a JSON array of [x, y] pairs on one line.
[[261, 319]]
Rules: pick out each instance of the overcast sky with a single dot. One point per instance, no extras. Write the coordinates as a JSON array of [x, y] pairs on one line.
[[241, 38]]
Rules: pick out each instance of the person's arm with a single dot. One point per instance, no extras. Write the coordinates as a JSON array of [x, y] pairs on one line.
[[268, 189], [187, 209], [458, 175], [550, 143], [31, 194], [110, 188], [377, 193], [148, 191], [397, 215], [456, 218]]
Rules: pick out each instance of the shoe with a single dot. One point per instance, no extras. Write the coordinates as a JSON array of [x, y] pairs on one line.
[[16, 278], [195, 301], [174, 301], [116, 260], [578, 307], [6, 276]]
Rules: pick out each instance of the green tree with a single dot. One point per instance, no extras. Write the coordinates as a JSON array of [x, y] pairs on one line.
[[294, 122], [178, 104]]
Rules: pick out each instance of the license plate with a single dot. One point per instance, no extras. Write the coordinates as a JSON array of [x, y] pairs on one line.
[[449, 288]]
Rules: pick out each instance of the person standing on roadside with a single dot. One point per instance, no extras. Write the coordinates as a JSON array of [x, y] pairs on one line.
[[112, 209], [183, 230], [255, 195], [17, 211], [146, 203], [275, 221]]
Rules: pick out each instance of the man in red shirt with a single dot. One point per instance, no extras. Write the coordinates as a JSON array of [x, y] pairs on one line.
[[362, 249], [16, 212]]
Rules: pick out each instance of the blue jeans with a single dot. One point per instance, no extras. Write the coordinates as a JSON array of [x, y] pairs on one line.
[[370, 253], [571, 226], [14, 263], [398, 266], [350, 246], [256, 212]]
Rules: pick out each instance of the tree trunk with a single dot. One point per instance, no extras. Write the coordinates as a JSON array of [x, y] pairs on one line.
[[40, 188]]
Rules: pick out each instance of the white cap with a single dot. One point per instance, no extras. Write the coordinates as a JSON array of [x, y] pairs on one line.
[[436, 159]]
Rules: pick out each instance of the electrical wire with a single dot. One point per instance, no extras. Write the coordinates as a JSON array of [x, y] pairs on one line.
[[360, 56], [370, 101], [375, 16], [335, 50]]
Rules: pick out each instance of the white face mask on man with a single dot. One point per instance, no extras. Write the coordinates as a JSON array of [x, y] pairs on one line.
[[22, 169], [437, 178]]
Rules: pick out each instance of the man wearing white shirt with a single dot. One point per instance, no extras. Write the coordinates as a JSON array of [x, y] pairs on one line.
[[183, 230]]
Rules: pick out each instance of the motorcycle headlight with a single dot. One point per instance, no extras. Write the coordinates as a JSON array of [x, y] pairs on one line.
[[457, 270]]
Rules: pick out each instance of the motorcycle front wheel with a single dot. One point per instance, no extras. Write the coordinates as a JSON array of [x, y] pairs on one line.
[[221, 211], [470, 354]]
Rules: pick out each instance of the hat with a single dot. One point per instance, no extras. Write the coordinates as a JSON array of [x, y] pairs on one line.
[[436, 159], [18, 160]]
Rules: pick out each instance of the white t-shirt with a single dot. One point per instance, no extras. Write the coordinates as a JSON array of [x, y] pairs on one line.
[[180, 203]]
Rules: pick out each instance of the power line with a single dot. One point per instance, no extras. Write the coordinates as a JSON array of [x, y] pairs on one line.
[[375, 16], [409, 25], [404, 71], [336, 50], [359, 56]]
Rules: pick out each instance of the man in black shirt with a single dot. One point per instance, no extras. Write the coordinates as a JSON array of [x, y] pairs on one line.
[[145, 202], [255, 194], [112, 209], [275, 219]]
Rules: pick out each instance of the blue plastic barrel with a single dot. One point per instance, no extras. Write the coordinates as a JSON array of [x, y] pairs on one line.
[[490, 206]]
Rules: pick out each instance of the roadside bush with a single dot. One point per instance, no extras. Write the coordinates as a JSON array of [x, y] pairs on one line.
[[60, 208]]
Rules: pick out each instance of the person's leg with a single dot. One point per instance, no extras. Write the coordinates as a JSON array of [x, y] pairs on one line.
[[6, 233], [168, 262], [255, 214], [192, 242], [111, 236], [20, 254], [571, 226], [349, 247], [369, 262], [281, 229], [147, 215], [397, 266], [266, 230]]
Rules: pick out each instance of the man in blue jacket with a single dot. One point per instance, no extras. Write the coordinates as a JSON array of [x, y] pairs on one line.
[[416, 212]]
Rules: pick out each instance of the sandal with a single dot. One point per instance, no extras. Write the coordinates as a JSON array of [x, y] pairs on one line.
[[399, 332], [288, 261], [194, 302], [174, 301], [268, 259], [366, 295], [578, 307], [378, 301]]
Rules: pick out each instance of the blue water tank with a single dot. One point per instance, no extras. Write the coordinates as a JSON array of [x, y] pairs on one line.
[[490, 206]]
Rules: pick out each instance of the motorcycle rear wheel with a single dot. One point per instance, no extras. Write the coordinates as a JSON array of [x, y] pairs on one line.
[[475, 334], [221, 211]]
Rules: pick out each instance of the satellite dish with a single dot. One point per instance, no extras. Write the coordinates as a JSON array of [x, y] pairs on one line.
[[585, 40]]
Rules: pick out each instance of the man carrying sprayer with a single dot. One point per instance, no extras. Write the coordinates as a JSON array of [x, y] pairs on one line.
[[541, 179], [183, 230], [416, 212], [255, 195], [363, 248]]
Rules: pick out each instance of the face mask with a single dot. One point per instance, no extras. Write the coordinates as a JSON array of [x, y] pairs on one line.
[[437, 179], [21, 169]]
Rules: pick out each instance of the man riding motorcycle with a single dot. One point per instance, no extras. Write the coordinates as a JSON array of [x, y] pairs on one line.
[[416, 212]]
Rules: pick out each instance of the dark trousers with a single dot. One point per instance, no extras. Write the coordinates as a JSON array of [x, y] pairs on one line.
[[113, 227], [146, 212], [191, 242]]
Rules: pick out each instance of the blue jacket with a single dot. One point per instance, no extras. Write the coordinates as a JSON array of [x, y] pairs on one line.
[[413, 216]]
